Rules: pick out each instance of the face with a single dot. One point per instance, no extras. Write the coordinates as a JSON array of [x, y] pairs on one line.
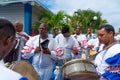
[[43, 30], [55, 32], [104, 37], [19, 27], [89, 30], [66, 34], [77, 30]]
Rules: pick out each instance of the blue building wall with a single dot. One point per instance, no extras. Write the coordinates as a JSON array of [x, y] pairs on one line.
[[27, 18]]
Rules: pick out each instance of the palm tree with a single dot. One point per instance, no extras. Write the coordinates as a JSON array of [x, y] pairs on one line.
[[84, 18], [53, 20]]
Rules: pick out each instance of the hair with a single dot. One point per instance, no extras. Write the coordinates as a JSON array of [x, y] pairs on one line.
[[65, 29], [78, 26], [55, 28], [18, 23], [6, 29], [108, 28], [45, 25]]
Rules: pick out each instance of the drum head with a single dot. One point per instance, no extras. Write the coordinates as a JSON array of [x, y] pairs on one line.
[[25, 69], [76, 61]]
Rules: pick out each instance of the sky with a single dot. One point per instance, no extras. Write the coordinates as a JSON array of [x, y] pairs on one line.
[[109, 8]]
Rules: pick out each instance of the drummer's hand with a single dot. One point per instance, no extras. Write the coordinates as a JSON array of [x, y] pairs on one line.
[[46, 51], [37, 50], [90, 46], [75, 50]]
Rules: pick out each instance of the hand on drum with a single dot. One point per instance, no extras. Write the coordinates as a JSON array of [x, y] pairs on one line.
[[90, 46], [75, 50]]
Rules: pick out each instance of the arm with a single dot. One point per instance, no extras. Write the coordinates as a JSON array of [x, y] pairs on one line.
[[29, 49]]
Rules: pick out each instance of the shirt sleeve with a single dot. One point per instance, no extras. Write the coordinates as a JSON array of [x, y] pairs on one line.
[[28, 49]]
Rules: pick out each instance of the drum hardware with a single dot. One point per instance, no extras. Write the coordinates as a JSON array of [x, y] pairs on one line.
[[83, 55]]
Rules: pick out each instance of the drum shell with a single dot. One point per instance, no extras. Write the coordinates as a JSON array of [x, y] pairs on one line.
[[79, 70], [25, 69]]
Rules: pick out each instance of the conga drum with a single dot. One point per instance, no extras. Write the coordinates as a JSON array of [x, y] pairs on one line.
[[25, 69], [78, 69]]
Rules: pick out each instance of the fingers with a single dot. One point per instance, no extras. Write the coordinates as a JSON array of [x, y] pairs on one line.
[[46, 51], [37, 50]]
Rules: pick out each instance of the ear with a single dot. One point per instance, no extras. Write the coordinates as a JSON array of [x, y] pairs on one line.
[[7, 41], [111, 33]]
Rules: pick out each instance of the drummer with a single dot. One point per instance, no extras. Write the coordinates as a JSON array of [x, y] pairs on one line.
[[21, 39], [108, 60], [7, 34], [65, 45]]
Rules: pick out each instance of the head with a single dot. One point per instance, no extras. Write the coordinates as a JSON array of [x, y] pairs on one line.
[[55, 32], [78, 30], [43, 30], [106, 34], [65, 31], [89, 31], [18, 26], [7, 37]]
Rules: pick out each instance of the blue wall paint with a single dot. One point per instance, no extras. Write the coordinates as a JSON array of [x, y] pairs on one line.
[[27, 18]]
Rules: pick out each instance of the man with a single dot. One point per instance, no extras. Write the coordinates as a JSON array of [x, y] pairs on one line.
[[67, 42], [78, 35], [66, 47], [7, 40], [89, 34], [42, 53], [82, 40], [108, 60], [55, 32], [21, 38], [19, 30]]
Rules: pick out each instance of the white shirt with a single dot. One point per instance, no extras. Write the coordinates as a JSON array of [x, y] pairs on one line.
[[7, 74], [66, 44], [94, 42], [102, 56], [80, 37], [42, 63]]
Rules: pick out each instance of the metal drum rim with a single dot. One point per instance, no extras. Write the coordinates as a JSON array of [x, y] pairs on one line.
[[76, 60]]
